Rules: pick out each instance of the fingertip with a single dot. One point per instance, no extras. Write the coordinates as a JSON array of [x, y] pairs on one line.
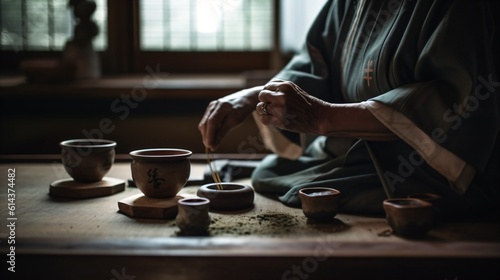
[[261, 95], [265, 95], [212, 146], [201, 126], [204, 142]]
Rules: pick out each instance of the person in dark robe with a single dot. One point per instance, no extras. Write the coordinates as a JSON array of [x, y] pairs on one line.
[[386, 99]]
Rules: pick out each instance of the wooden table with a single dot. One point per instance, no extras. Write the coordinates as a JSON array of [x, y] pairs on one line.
[[89, 239]]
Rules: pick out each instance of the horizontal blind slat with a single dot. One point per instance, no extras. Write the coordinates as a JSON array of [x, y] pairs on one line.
[[206, 25], [44, 24]]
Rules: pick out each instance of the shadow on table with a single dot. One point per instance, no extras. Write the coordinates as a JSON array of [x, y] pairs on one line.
[[330, 226]]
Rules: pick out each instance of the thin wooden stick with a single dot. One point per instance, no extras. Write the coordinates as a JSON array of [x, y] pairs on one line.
[[213, 170]]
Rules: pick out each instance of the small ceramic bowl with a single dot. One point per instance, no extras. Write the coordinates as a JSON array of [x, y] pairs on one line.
[[160, 172], [193, 217], [319, 203], [233, 196], [87, 160], [408, 217]]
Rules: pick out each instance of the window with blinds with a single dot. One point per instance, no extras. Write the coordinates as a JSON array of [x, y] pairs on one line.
[[43, 25], [206, 25]]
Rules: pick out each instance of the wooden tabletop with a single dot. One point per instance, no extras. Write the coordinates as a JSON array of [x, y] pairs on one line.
[[274, 237]]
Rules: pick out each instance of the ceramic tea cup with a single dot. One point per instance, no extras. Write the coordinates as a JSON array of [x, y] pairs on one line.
[[319, 203], [160, 172], [408, 217], [232, 196], [192, 216], [87, 160]]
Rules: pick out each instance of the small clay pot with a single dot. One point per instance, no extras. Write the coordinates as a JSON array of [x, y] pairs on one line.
[[160, 172], [319, 203], [408, 217], [233, 196], [87, 160], [192, 217]]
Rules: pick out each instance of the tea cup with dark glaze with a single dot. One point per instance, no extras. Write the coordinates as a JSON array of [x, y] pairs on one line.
[[319, 203], [87, 160], [408, 217]]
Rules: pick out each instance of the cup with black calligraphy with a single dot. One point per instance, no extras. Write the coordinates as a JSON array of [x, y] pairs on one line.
[[160, 172]]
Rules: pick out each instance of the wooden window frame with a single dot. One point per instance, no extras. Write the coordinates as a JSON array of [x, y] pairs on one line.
[[206, 61], [123, 54]]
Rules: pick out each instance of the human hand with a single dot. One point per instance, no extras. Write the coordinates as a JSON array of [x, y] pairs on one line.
[[286, 106], [226, 113]]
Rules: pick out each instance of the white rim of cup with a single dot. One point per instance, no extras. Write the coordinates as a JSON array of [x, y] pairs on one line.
[[143, 153], [194, 201], [94, 143]]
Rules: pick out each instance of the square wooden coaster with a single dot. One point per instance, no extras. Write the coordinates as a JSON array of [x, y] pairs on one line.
[[72, 189], [140, 206]]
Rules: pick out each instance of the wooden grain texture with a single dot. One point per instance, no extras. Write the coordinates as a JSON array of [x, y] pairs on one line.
[[140, 206], [273, 236], [71, 189], [44, 216]]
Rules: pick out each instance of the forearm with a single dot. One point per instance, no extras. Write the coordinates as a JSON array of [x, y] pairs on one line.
[[352, 120]]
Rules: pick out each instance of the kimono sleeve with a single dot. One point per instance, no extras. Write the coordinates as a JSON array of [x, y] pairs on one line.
[[309, 69], [451, 113]]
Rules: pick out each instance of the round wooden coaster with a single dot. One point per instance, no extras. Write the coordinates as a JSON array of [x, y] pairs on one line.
[[72, 189], [140, 206]]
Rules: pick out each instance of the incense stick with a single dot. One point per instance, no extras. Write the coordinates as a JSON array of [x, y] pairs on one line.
[[213, 169]]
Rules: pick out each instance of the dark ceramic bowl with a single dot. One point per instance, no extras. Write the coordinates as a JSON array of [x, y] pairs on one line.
[[408, 217], [193, 217], [87, 160], [232, 197], [160, 172], [319, 203]]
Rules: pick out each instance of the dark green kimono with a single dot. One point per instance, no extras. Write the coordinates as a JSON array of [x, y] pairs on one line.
[[425, 70]]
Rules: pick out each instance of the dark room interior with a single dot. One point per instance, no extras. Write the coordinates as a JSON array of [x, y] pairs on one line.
[[250, 139]]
